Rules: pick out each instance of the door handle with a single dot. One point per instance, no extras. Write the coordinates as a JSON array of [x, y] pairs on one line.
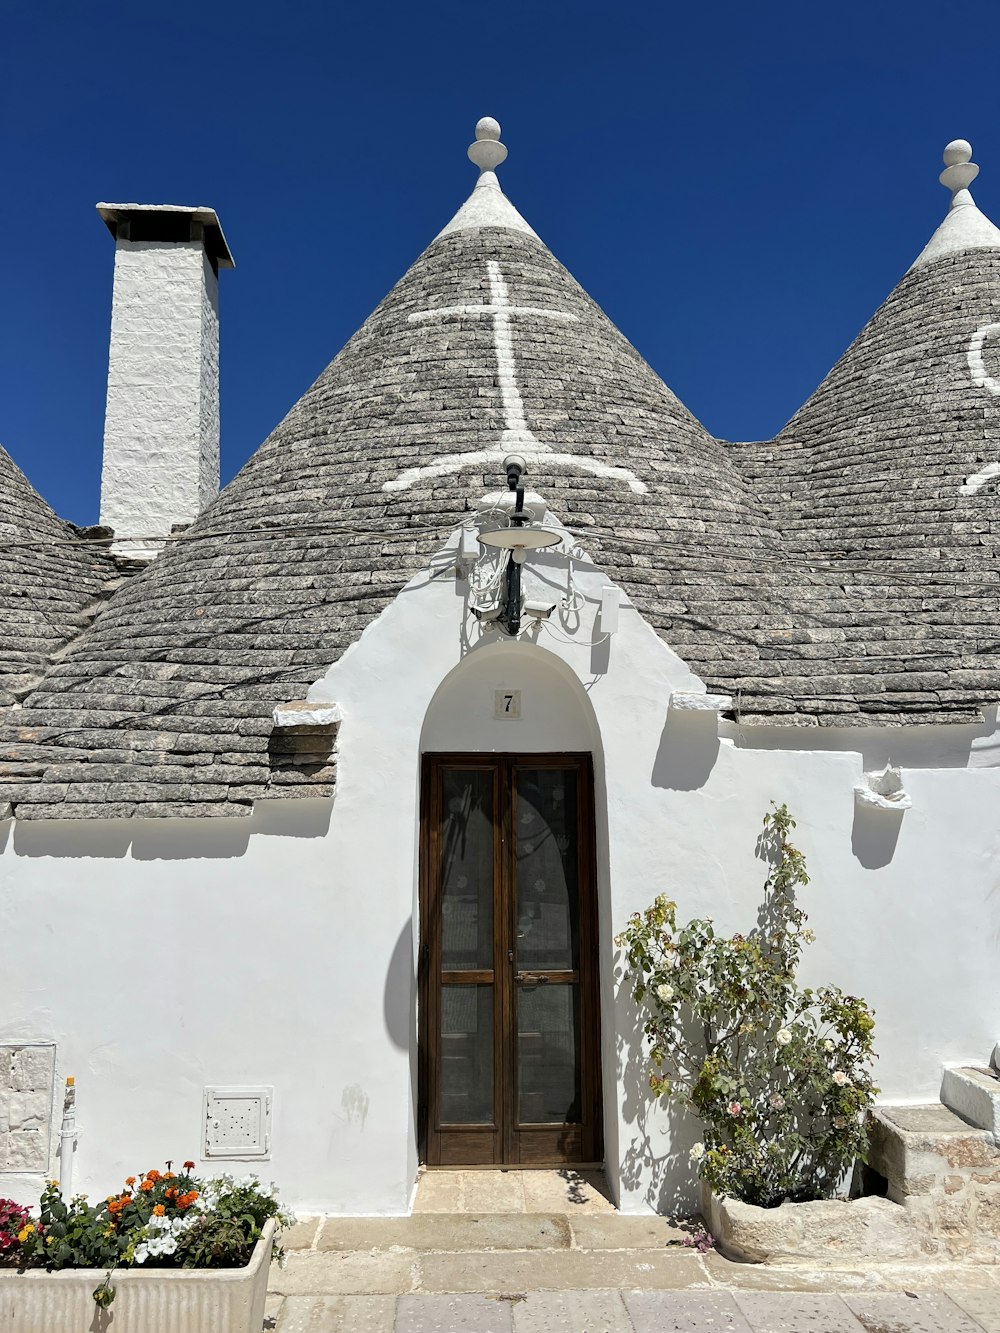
[[532, 979]]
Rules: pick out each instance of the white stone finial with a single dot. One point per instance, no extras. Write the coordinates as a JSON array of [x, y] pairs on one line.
[[964, 227], [959, 169], [487, 152]]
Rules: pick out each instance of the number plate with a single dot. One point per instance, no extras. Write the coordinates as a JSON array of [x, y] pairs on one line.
[[507, 704]]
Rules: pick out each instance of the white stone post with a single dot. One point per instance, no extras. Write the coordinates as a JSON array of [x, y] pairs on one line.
[[161, 431]]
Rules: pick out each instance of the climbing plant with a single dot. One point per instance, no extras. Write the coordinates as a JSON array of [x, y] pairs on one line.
[[779, 1075]]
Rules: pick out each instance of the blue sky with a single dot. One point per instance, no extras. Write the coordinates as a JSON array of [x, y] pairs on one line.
[[738, 186]]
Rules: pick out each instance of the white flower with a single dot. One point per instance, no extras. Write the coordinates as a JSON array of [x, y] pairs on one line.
[[776, 1101], [784, 1036], [809, 936], [840, 1078], [827, 1045], [665, 992], [697, 1152]]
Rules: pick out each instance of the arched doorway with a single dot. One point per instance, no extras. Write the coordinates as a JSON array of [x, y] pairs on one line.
[[509, 978]]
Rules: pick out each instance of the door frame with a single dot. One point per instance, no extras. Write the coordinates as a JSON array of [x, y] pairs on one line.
[[428, 1013]]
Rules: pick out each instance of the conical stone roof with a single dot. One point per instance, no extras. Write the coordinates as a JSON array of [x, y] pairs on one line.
[[843, 573], [887, 480], [51, 583], [485, 347]]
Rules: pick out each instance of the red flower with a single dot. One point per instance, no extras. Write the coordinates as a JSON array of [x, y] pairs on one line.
[[189, 1166]]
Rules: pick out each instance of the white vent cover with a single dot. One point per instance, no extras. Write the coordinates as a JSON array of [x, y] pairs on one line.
[[238, 1122]]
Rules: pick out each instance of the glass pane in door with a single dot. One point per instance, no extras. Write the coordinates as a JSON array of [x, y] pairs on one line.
[[548, 1027], [467, 1055], [466, 869], [546, 837]]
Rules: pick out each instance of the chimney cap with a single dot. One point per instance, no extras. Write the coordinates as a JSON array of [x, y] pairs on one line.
[[214, 238]]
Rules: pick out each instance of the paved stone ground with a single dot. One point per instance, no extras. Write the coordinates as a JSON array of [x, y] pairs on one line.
[[547, 1253], [599, 1310]]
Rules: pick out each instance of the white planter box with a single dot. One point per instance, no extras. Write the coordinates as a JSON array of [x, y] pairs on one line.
[[147, 1300], [824, 1231]]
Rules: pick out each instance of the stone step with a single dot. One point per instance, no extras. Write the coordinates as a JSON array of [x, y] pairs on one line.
[[395, 1270], [916, 1147], [462, 1232], [944, 1171], [973, 1092]]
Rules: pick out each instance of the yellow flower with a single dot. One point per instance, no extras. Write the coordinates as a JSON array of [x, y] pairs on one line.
[[25, 1232]]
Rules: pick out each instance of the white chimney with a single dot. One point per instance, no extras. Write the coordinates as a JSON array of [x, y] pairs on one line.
[[161, 427]]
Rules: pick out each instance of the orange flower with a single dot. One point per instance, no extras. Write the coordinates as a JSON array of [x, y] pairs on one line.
[[146, 1186], [130, 1180], [153, 1175], [171, 1194], [168, 1175], [159, 1210]]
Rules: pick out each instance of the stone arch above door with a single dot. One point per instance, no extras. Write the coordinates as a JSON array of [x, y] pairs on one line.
[[554, 711]]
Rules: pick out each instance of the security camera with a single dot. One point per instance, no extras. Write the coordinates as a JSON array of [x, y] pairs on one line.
[[488, 612], [539, 610]]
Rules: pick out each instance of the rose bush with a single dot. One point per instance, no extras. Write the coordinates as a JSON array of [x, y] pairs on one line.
[[163, 1218], [779, 1075]]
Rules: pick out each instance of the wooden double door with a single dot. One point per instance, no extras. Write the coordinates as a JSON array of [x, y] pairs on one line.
[[509, 1018]]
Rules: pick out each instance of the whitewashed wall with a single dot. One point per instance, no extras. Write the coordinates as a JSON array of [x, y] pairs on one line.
[[164, 956]]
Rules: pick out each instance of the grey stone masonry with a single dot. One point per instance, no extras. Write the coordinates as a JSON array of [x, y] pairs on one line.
[[837, 576], [866, 484], [51, 583]]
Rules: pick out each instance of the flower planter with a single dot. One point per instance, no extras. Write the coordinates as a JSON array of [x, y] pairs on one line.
[[147, 1300], [825, 1231]]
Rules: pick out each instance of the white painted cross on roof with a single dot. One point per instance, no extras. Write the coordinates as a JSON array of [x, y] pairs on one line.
[[517, 436]]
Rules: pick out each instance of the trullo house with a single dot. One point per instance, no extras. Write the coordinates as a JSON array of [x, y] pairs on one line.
[[322, 798]]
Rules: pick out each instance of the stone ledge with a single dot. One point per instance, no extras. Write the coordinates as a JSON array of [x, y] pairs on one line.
[[974, 1094]]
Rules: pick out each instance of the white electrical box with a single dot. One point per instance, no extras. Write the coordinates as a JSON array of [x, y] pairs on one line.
[[238, 1122]]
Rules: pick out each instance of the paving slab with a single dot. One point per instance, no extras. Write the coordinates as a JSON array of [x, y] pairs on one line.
[[492, 1191], [447, 1232], [734, 1276], [920, 1312], [796, 1312], [438, 1192], [557, 1270], [302, 1235], [571, 1312], [684, 1312], [566, 1191], [306, 1273], [452, 1314], [983, 1306], [337, 1314], [596, 1231]]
